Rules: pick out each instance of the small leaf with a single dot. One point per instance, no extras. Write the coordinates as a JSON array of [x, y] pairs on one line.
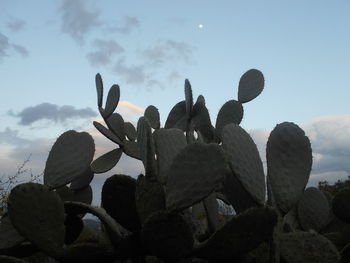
[[69, 158], [112, 101], [198, 166], [107, 161], [230, 112], [250, 86], [107, 133], [177, 117], [99, 89], [152, 115], [188, 98], [130, 131]]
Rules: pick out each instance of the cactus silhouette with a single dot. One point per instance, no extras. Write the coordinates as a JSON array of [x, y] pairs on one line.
[[170, 213]]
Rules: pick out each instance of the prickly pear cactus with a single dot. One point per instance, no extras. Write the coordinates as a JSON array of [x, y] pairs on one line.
[[171, 213]]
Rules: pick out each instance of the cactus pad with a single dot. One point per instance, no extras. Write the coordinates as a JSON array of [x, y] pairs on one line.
[[308, 247], [118, 199], [130, 131], [196, 172], [188, 98], [289, 161], [168, 142], [112, 101], [83, 181], [9, 236], [152, 115], [38, 215], [313, 209], [177, 117], [239, 235], [69, 158], [244, 159], [230, 112], [167, 236], [115, 123], [146, 146], [149, 197], [250, 86], [106, 161], [107, 133], [341, 205], [99, 89], [132, 149]]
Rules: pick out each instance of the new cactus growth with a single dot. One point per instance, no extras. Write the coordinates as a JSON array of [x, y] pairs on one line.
[[170, 214]]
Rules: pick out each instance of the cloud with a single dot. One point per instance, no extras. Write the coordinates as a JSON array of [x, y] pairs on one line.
[[6, 46], [129, 23], [16, 24], [106, 50], [77, 20], [10, 136], [20, 50], [330, 143], [134, 74], [48, 111], [169, 50]]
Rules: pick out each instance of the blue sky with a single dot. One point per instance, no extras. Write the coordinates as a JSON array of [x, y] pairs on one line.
[[50, 52]]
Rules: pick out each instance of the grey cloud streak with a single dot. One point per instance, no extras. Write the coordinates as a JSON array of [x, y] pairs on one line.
[[129, 23], [105, 51], [16, 25], [6, 47], [52, 112], [77, 20]]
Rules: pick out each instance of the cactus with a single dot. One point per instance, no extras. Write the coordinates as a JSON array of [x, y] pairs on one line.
[[170, 213]]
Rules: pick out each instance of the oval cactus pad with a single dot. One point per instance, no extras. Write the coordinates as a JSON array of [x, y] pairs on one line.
[[38, 215], [244, 159], [195, 173], [169, 142], [230, 112], [69, 158], [313, 209], [250, 86], [289, 161]]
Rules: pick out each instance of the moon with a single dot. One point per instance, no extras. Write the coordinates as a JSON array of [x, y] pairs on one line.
[[200, 26]]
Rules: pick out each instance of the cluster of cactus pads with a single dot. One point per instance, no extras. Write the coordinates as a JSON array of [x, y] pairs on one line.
[[170, 213]]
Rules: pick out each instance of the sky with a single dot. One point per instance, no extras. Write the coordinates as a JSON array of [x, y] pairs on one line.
[[50, 52]]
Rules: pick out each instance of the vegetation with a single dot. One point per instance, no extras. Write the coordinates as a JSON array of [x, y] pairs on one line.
[[336, 187], [171, 212]]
